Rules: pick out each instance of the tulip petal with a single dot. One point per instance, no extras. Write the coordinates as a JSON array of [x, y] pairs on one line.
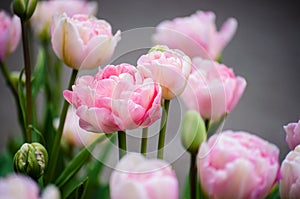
[[99, 50], [226, 33], [98, 120], [67, 43], [130, 190]]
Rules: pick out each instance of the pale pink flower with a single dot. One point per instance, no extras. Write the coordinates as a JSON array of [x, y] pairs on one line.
[[82, 41], [10, 34], [116, 98], [50, 192], [212, 89], [290, 171], [292, 134], [136, 177], [18, 186], [45, 10], [237, 165], [73, 134], [196, 35], [170, 68]]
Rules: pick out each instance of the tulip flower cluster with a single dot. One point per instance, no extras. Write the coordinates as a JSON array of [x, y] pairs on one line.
[[185, 63]]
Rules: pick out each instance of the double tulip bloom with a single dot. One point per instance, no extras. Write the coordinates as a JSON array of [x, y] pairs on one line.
[[290, 171], [212, 89], [10, 33], [196, 35], [45, 10], [170, 68], [116, 98], [237, 165], [82, 41], [137, 177]]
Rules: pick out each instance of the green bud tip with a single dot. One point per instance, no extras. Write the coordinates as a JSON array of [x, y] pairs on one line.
[[31, 159], [193, 131], [161, 48], [24, 8]]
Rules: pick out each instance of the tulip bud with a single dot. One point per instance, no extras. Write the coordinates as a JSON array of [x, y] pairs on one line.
[[24, 8], [193, 131], [31, 159]]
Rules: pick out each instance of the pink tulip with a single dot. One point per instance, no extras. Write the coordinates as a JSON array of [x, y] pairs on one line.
[[237, 165], [82, 41], [10, 33], [135, 177], [212, 89], [45, 10], [50, 192], [290, 171], [196, 35], [292, 134], [116, 98], [18, 186], [73, 134], [171, 68]]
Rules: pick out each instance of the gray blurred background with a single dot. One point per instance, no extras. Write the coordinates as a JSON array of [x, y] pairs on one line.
[[265, 50]]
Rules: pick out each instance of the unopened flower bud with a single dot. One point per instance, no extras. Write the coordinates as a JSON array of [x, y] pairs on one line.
[[31, 159], [193, 131], [24, 8]]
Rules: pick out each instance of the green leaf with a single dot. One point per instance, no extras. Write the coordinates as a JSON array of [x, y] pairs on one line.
[[102, 192], [186, 189], [274, 193], [38, 77], [77, 162], [22, 96], [77, 190], [6, 165], [98, 165], [95, 170], [214, 126], [35, 130]]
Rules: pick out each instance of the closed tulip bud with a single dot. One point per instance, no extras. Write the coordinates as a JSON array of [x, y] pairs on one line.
[[31, 159], [24, 8], [193, 131]]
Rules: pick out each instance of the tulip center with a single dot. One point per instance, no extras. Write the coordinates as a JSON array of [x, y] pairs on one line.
[[91, 27]]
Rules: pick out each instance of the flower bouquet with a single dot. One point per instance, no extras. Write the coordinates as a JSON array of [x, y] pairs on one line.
[[65, 150]]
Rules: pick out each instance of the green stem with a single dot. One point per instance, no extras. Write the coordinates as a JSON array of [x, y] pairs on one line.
[[14, 91], [144, 141], [193, 176], [57, 138], [28, 81], [162, 133], [206, 122], [122, 143]]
